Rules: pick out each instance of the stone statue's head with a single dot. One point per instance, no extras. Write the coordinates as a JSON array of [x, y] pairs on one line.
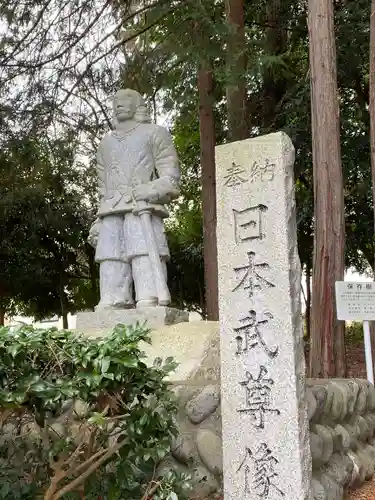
[[125, 104]]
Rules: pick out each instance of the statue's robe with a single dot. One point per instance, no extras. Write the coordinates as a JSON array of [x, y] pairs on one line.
[[145, 155]]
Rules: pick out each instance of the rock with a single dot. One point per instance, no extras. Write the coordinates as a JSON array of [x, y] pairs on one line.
[[352, 431], [343, 438], [204, 483], [318, 490], [370, 450], [340, 468], [361, 402], [310, 403], [209, 447], [183, 450], [370, 425], [81, 408], [320, 394], [8, 429], [366, 462], [337, 406], [334, 491], [356, 472], [316, 449], [353, 390], [360, 427], [326, 435], [203, 404], [329, 400], [370, 419], [371, 398], [57, 430], [31, 429]]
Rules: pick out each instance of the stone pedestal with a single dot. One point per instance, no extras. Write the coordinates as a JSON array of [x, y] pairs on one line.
[[95, 324]]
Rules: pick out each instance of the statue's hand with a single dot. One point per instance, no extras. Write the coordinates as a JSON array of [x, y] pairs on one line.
[[145, 192], [94, 233]]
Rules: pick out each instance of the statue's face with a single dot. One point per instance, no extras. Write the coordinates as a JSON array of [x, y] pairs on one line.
[[125, 105]]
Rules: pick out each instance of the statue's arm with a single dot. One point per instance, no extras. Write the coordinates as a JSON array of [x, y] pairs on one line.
[[100, 171], [166, 187], [94, 229]]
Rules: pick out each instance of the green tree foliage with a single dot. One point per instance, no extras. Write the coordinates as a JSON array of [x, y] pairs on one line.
[[44, 221]]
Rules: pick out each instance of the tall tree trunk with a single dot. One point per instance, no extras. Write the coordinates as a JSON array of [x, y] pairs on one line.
[[2, 315], [63, 305], [372, 131], [327, 353], [274, 86], [94, 276], [236, 66], [308, 302], [207, 147]]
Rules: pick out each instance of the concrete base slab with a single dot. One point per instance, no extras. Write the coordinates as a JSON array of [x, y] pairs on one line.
[[100, 322]]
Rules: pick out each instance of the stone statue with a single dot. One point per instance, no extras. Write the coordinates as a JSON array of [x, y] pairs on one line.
[[138, 171]]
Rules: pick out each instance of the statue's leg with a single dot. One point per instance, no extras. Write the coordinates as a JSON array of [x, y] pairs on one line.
[[164, 267], [115, 284], [115, 273], [144, 285]]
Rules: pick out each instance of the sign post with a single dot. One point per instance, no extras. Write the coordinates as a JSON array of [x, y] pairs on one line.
[[368, 352], [356, 302]]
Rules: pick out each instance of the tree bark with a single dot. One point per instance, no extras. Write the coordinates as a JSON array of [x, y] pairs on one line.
[[94, 276], [327, 353], [63, 306], [207, 147], [236, 67], [2, 315], [273, 86], [372, 132]]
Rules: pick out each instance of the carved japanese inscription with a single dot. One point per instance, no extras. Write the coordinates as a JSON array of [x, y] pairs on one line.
[[258, 397], [262, 171], [259, 470], [249, 334], [248, 223], [235, 175], [250, 277]]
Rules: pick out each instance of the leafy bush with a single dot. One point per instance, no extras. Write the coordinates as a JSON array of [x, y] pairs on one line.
[[354, 334], [84, 419]]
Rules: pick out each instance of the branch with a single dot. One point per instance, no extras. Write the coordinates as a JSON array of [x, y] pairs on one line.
[[73, 485], [28, 33], [97, 59], [69, 47]]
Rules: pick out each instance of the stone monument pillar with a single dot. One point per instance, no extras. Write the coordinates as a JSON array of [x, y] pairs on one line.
[[266, 451], [138, 173]]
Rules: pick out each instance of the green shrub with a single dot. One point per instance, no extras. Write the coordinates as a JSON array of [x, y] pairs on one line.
[[354, 334], [111, 447]]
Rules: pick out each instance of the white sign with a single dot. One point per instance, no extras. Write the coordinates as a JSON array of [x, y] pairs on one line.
[[355, 301]]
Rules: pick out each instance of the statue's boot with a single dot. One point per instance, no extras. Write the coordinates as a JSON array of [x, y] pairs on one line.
[[115, 285], [144, 282]]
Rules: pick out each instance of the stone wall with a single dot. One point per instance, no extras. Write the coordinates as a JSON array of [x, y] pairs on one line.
[[197, 449], [342, 426], [342, 429], [341, 413]]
